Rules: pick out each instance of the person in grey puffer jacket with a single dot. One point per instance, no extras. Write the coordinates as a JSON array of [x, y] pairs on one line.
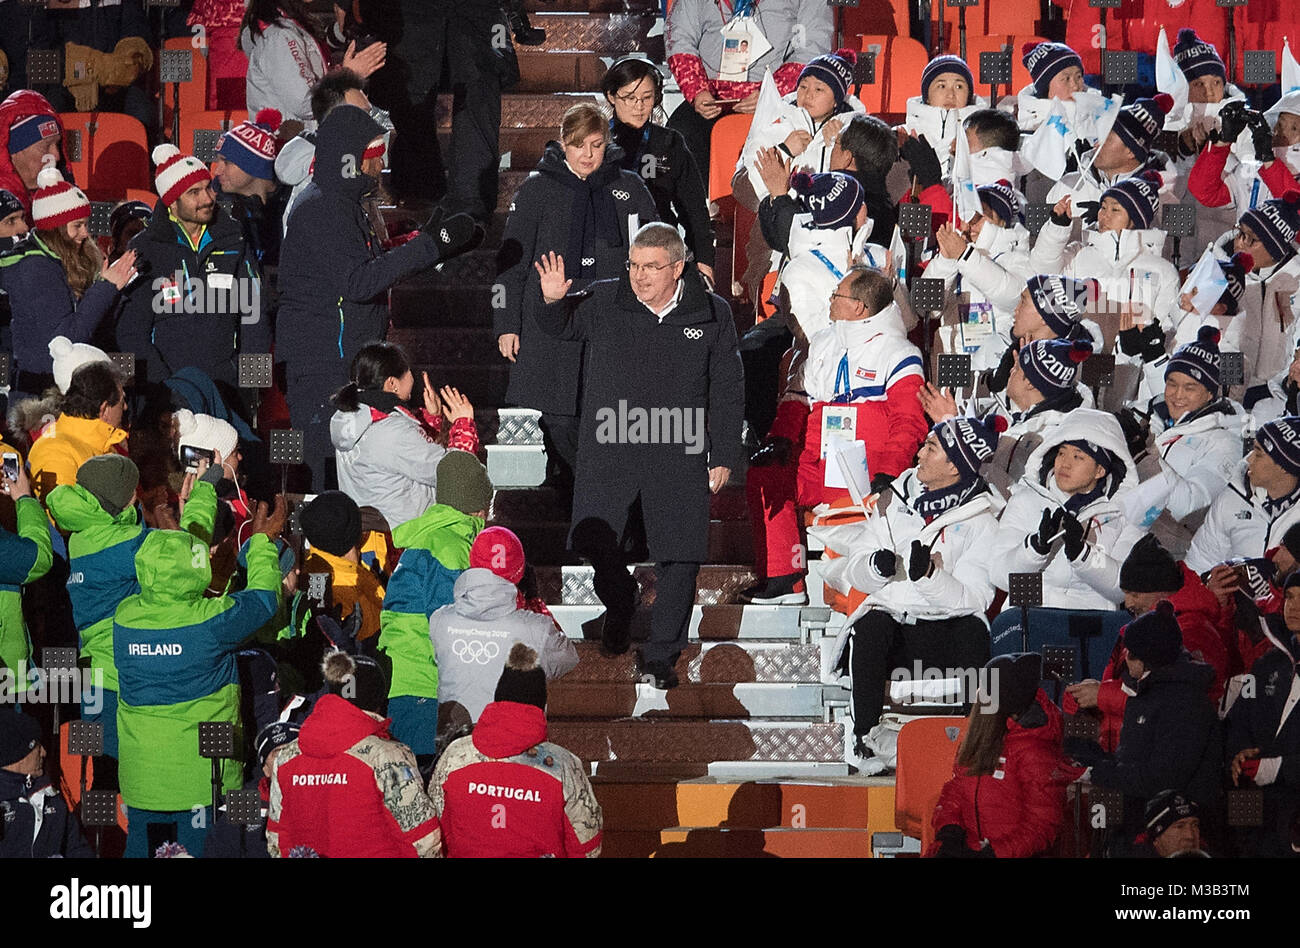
[[472, 637], [387, 455]]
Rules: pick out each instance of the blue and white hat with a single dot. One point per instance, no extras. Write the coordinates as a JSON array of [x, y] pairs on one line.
[[1199, 359], [252, 145], [1197, 58], [1052, 365], [1045, 60], [1280, 440], [832, 198]]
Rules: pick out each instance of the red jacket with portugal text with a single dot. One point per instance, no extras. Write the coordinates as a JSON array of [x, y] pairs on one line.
[[505, 792]]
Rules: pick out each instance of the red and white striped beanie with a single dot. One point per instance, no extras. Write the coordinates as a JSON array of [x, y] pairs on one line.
[[57, 202], [176, 173]]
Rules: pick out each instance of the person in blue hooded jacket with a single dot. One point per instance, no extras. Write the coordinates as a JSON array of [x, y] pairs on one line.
[[335, 275]]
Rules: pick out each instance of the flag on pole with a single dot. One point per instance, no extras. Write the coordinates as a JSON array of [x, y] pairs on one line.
[[1170, 79], [1206, 283], [898, 253], [966, 201], [767, 111], [1046, 148], [1290, 69]]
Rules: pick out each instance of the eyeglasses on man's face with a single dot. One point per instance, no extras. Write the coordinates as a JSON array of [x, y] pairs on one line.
[[646, 267]]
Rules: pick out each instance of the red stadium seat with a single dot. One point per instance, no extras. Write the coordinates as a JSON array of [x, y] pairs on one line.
[[878, 19], [927, 748], [112, 153], [725, 145], [989, 18], [900, 61]]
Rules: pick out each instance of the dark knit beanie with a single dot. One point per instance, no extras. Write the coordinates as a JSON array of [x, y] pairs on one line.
[[969, 442], [357, 679], [1199, 359], [1045, 60], [462, 483], [19, 735], [276, 734], [111, 479], [832, 198], [1167, 808], [1061, 300], [522, 680], [1154, 637], [1291, 540], [1139, 195], [1149, 567], [9, 204], [1018, 677], [1052, 366], [1280, 440], [1197, 58], [835, 69], [1276, 223], [1139, 123], [332, 522], [1103, 456], [1003, 200], [946, 63]]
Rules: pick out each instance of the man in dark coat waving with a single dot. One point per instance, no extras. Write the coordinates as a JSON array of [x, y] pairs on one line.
[[662, 405]]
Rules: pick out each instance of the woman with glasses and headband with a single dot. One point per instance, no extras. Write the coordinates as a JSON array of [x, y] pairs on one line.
[[581, 202], [634, 89]]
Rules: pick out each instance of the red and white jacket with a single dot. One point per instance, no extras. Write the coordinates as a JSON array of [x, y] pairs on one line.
[[346, 789], [505, 792], [870, 365]]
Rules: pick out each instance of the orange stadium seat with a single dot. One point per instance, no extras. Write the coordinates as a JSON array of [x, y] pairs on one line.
[[107, 153], [900, 61], [927, 748], [725, 145], [193, 94], [982, 44], [989, 18]]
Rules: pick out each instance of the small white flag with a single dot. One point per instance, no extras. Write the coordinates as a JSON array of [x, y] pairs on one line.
[[1170, 79], [898, 253], [767, 112], [1046, 148], [965, 199], [1206, 283], [1290, 69]]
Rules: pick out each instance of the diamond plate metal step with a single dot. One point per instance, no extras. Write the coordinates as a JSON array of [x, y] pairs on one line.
[[711, 662], [576, 700], [707, 622], [683, 742], [717, 584]]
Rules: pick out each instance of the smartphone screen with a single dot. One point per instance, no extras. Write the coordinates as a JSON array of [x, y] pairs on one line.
[[11, 465]]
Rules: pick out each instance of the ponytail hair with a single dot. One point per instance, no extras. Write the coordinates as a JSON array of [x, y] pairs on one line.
[[374, 364]]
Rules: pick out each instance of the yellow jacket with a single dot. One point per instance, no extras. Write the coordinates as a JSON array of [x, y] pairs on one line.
[[64, 446], [350, 583]]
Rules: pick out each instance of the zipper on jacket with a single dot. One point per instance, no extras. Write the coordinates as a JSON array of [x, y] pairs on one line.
[[340, 327]]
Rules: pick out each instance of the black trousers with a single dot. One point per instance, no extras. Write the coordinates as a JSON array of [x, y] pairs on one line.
[[698, 132], [617, 589], [462, 43], [881, 644], [310, 412], [560, 435]]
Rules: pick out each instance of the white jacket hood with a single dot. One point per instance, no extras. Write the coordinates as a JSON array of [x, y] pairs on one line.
[[482, 594], [347, 427], [1085, 424]]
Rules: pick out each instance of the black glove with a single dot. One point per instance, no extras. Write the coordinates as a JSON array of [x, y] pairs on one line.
[[342, 635], [774, 451], [997, 379], [455, 234], [1233, 119], [952, 842], [1261, 136], [885, 563], [984, 852], [1074, 534], [1048, 527], [880, 482], [1087, 753], [1136, 427], [919, 564], [1147, 343], [922, 161], [1089, 211], [1060, 220], [1246, 617]]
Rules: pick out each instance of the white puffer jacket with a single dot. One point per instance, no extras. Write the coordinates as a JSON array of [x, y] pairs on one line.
[[960, 584], [1196, 457], [1092, 581], [995, 272], [386, 462], [939, 126], [1238, 525]]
